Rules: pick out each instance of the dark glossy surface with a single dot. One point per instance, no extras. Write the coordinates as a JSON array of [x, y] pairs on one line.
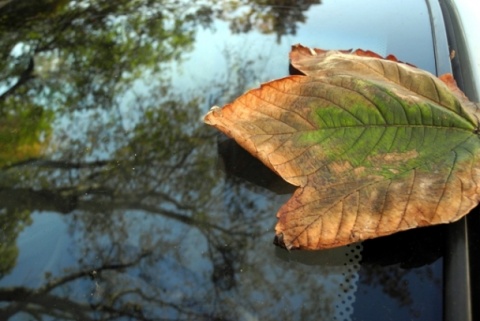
[[115, 201]]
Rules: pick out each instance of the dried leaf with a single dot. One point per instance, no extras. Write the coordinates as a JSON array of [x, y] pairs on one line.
[[374, 145]]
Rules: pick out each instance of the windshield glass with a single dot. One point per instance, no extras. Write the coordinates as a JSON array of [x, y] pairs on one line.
[[118, 203]]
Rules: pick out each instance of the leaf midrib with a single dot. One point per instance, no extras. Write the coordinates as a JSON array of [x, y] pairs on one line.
[[471, 131]]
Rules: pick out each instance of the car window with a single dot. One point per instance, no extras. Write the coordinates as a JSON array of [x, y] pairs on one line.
[[118, 203]]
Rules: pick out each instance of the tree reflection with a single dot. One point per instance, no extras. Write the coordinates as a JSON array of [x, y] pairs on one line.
[[81, 54], [44, 301], [158, 232], [135, 218], [279, 17]]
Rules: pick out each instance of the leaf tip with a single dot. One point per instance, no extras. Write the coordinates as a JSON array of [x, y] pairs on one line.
[[215, 111]]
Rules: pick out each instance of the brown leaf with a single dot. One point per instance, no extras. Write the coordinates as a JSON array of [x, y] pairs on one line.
[[375, 146]]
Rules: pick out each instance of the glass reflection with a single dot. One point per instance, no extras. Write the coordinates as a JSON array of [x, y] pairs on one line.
[[112, 204]]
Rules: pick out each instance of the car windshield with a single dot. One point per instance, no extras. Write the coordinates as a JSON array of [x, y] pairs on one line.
[[118, 203]]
